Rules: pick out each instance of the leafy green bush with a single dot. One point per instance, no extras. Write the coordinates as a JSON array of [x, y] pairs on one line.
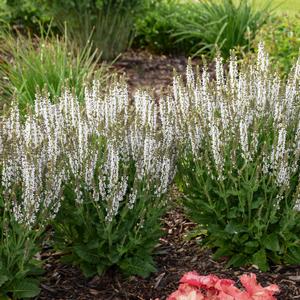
[[48, 61], [196, 28], [155, 27], [25, 12], [20, 270], [96, 244], [282, 41], [240, 170]]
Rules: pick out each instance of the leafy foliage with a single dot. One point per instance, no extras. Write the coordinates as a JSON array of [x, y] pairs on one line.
[[155, 27], [20, 270], [95, 245], [282, 41], [239, 170]]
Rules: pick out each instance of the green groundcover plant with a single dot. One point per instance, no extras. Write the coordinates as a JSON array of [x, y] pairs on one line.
[[239, 171], [114, 198]]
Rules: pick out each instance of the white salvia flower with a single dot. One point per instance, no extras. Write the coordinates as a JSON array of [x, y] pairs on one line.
[[244, 140], [219, 74], [262, 59], [297, 205], [132, 198], [278, 154], [283, 176], [190, 79], [216, 145]]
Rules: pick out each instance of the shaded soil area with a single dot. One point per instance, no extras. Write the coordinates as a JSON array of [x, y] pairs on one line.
[[175, 253]]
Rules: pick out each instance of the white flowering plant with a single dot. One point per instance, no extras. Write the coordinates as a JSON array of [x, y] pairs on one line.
[[118, 172], [239, 169], [97, 171]]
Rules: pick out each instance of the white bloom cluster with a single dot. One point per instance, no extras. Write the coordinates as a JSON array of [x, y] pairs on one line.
[[246, 115], [89, 146]]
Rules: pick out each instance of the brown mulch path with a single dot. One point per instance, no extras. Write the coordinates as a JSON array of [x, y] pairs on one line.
[[175, 256], [175, 253]]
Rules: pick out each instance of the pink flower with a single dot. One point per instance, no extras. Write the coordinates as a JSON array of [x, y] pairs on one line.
[[186, 292], [255, 290], [211, 287]]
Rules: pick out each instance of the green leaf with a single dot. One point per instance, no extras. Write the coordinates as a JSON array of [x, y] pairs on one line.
[[237, 260], [88, 270], [86, 254], [271, 242], [260, 259], [293, 255], [3, 279], [26, 288], [234, 228]]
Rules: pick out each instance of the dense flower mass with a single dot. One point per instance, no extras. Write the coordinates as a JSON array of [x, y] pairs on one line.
[[239, 162], [69, 142], [195, 287]]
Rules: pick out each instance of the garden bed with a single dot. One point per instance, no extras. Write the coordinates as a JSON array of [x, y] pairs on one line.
[[176, 253], [175, 256]]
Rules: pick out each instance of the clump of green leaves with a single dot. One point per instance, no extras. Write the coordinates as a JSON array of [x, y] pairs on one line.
[[20, 270], [222, 25], [155, 28], [95, 244]]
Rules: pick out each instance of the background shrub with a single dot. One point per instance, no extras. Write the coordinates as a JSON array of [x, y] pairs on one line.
[[155, 27], [281, 36]]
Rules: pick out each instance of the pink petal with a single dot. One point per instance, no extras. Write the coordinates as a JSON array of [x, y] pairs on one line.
[[255, 290], [194, 279]]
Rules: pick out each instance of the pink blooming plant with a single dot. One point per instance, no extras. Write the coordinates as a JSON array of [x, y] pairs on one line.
[[195, 287]]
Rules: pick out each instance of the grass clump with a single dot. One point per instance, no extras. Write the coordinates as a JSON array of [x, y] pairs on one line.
[[31, 63]]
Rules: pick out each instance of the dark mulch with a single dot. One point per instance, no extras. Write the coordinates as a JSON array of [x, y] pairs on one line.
[[175, 256], [150, 71], [175, 253]]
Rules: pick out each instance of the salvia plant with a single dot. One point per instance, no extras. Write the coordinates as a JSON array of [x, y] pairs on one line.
[[97, 171], [239, 169]]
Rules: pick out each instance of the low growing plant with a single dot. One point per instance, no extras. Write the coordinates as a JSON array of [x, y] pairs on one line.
[[239, 171], [155, 28], [101, 168], [118, 176]]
